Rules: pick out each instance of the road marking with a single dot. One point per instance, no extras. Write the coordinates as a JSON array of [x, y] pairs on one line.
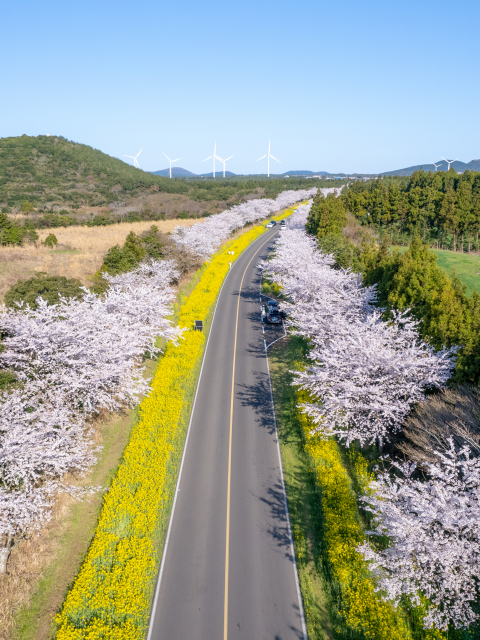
[[229, 477], [177, 490], [285, 500]]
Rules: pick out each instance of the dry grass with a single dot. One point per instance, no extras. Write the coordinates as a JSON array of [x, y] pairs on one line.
[[354, 231], [79, 253]]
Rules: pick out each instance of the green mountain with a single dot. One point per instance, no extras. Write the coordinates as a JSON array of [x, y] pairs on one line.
[[50, 170]]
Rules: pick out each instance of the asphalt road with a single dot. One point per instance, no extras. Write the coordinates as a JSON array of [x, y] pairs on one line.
[[228, 570]]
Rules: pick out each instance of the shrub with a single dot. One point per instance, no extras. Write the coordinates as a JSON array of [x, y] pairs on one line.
[[154, 242], [346, 254], [27, 207], [48, 287], [101, 220], [51, 240]]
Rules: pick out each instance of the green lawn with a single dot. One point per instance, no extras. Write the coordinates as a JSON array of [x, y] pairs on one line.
[[466, 266]]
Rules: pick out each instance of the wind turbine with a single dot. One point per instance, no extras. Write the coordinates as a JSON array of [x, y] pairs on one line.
[[214, 156], [449, 162], [170, 161], [135, 161], [268, 155], [436, 165], [224, 161]]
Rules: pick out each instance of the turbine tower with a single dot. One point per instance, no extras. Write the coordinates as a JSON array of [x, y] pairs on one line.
[[449, 162], [170, 161], [135, 161], [268, 156], [436, 165], [213, 156], [224, 161]]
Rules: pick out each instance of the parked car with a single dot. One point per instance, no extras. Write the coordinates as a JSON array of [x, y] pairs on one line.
[[273, 316], [272, 305], [270, 224]]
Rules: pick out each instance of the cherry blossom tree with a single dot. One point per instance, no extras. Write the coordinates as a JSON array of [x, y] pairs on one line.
[[71, 359], [365, 372], [204, 238], [434, 528]]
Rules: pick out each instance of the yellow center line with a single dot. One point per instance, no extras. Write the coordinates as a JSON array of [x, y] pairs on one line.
[[227, 548]]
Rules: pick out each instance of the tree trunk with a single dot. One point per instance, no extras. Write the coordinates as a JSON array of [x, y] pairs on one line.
[[461, 246], [476, 241], [469, 242], [454, 241], [4, 553]]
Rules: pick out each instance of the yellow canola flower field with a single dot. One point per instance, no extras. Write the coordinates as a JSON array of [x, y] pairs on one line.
[[361, 607], [111, 596]]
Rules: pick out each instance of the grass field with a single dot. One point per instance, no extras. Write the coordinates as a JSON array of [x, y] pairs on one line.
[[465, 265], [79, 253]]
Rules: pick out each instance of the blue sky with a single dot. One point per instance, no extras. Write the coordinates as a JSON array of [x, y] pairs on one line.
[[337, 86]]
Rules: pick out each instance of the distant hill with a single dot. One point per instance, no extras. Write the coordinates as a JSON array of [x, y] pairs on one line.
[[460, 167], [306, 173], [177, 172], [218, 174]]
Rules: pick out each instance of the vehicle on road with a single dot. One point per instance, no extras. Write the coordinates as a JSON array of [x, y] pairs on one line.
[[271, 313], [273, 316], [283, 225], [272, 305], [270, 224]]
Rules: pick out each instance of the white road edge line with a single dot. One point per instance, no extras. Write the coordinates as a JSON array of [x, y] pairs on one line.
[[292, 550], [177, 489]]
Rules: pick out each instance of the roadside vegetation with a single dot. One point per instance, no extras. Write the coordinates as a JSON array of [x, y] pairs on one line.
[[367, 376], [127, 269]]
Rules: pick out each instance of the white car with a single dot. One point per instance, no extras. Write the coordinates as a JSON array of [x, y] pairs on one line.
[[270, 224]]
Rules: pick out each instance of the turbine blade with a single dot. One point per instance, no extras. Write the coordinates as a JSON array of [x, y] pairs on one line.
[[443, 158], [229, 158], [274, 158], [209, 158], [261, 158], [176, 160], [139, 152], [166, 156]]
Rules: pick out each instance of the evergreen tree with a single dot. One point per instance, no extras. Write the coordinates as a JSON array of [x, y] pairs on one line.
[[327, 215]]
